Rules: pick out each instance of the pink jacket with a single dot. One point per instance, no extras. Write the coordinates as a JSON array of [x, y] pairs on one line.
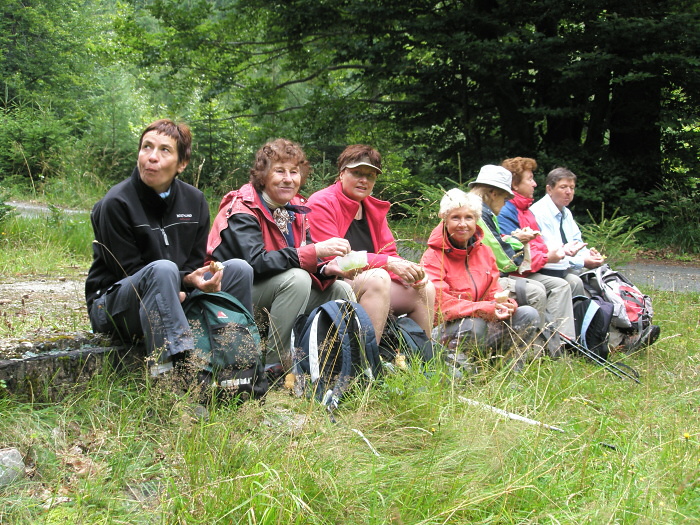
[[332, 213], [465, 279]]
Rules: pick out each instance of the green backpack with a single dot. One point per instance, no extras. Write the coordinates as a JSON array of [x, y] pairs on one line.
[[227, 342]]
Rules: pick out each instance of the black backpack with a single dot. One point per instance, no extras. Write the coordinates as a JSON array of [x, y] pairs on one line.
[[592, 317], [334, 345], [402, 335], [227, 342]]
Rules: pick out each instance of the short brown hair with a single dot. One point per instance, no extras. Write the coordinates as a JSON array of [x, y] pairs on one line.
[[517, 166], [278, 150], [357, 152], [175, 130], [558, 174]]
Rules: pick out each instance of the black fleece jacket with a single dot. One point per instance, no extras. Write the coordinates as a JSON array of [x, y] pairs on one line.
[[134, 226]]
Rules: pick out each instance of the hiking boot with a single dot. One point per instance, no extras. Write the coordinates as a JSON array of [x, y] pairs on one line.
[[274, 372], [648, 337]]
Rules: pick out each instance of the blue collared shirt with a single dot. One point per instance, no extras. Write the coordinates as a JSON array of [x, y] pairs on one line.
[[548, 218]]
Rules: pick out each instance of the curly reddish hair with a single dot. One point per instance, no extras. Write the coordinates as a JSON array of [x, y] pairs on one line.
[[517, 166], [278, 150]]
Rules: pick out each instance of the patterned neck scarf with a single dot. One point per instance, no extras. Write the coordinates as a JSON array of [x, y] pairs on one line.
[[280, 213], [282, 219]]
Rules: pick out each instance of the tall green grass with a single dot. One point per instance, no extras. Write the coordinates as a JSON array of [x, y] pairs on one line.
[[30, 245], [404, 450]]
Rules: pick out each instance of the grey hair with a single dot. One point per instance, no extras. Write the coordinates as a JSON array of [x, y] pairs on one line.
[[456, 198], [558, 174]]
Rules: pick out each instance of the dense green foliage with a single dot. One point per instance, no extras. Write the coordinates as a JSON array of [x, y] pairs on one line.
[[609, 89]]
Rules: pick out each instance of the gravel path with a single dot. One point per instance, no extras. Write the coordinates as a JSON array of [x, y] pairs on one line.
[[29, 209], [661, 276]]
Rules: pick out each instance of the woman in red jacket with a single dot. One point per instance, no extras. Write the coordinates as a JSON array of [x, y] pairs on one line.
[[265, 223], [347, 210], [470, 304], [514, 217]]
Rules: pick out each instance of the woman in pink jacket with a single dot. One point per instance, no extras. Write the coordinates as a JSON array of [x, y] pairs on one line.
[[347, 210], [471, 307]]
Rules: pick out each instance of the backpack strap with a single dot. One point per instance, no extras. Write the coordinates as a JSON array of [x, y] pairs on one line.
[[333, 311], [587, 318], [371, 348], [521, 293]]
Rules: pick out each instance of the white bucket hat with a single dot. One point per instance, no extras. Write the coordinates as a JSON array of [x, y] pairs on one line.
[[496, 176]]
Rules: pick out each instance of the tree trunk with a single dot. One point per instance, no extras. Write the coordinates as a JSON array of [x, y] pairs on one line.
[[635, 134]]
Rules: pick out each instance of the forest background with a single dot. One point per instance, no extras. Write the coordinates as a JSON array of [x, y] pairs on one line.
[[609, 89]]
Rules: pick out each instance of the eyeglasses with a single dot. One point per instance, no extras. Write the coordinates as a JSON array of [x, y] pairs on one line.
[[358, 174]]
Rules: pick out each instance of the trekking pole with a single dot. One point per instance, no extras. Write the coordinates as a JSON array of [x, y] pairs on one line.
[[509, 415], [612, 367], [600, 360]]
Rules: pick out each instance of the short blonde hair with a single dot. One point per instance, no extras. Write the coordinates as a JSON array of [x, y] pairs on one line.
[[456, 198]]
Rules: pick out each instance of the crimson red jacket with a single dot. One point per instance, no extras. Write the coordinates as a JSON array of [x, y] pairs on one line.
[[332, 213], [516, 214], [465, 279], [244, 229]]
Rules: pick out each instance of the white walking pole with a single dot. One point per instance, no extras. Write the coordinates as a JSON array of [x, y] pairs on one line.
[[509, 415]]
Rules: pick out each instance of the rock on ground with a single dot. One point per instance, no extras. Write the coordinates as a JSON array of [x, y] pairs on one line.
[[11, 466]]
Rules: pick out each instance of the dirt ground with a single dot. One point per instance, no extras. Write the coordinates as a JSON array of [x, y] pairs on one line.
[[39, 313]]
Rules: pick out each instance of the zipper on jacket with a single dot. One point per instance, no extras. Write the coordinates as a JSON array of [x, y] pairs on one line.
[[469, 273], [165, 236]]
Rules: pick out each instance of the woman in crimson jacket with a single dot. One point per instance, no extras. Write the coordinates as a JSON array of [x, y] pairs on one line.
[[347, 210], [470, 304], [561, 289], [265, 223]]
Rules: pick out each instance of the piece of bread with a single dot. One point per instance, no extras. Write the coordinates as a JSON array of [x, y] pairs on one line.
[[501, 297], [215, 266]]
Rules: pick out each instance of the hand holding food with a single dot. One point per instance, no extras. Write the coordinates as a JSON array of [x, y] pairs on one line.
[[525, 234], [530, 231], [594, 259], [502, 311], [215, 266], [596, 253]]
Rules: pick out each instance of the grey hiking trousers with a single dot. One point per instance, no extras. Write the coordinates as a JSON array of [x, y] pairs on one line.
[[148, 304]]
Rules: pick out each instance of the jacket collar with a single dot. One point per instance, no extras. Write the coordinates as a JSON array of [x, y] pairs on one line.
[[520, 201], [149, 198]]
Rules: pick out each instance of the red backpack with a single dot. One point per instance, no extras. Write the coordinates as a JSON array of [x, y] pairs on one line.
[[631, 325]]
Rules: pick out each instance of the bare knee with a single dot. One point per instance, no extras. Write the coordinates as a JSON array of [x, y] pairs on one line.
[[374, 283]]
